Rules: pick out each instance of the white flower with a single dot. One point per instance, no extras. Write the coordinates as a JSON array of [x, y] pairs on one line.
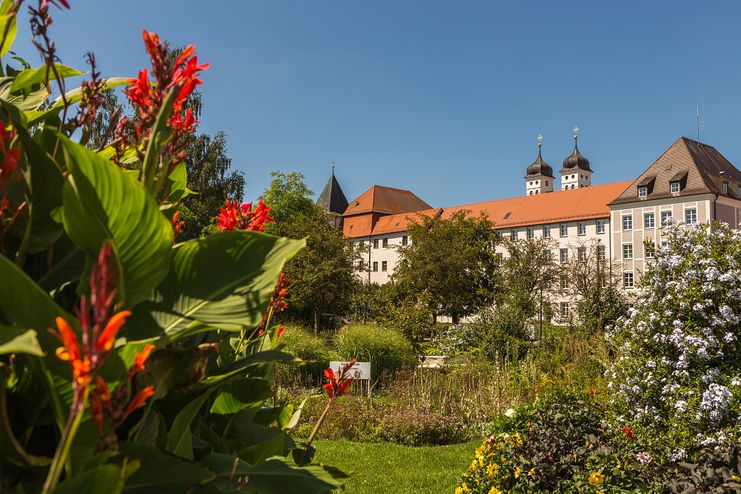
[[510, 413]]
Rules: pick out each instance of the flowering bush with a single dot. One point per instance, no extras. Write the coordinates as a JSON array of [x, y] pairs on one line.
[[127, 362], [678, 370], [558, 445]]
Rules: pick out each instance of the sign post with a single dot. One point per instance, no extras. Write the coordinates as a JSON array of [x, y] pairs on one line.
[[360, 371]]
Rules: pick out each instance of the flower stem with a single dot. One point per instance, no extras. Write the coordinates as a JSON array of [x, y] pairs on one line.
[[68, 436], [319, 423]]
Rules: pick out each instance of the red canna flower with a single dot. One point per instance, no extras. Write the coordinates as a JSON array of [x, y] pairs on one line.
[[628, 433], [64, 3], [177, 224], [108, 336], [281, 330], [243, 217], [140, 359], [337, 386], [591, 392], [71, 349], [139, 400]]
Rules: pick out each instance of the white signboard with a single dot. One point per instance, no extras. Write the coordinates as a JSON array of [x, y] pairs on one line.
[[361, 370]]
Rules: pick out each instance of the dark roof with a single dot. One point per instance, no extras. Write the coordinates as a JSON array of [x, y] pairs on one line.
[[539, 167], [576, 160], [332, 198], [388, 200], [700, 168]]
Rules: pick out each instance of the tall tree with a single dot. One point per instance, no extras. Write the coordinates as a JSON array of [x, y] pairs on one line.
[[452, 261], [321, 275]]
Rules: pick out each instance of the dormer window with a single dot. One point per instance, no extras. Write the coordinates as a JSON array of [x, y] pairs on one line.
[[642, 192], [724, 188], [674, 187]]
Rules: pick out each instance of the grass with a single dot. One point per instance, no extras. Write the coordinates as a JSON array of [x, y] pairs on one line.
[[391, 468]]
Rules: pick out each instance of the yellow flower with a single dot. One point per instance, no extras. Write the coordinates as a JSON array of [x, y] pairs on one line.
[[517, 472], [618, 463], [491, 470], [531, 472], [462, 489], [735, 478], [596, 478], [600, 492], [494, 490]]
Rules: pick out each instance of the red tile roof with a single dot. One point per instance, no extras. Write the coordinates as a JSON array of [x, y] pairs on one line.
[[387, 200], [551, 207]]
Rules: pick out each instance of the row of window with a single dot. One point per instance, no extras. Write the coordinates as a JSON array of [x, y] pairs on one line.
[[563, 230], [581, 254], [385, 242], [649, 219], [384, 266], [649, 249]]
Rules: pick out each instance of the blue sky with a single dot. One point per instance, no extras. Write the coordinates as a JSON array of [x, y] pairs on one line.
[[443, 98]]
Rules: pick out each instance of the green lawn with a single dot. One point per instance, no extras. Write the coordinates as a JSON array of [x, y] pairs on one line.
[[393, 469]]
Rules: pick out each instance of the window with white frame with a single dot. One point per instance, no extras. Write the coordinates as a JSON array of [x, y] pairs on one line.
[[384, 266], [627, 251], [385, 243], [642, 192], [674, 187], [375, 243], [513, 234], [530, 233], [628, 279], [546, 232], [666, 218], [582, 228], [627, 222], [564, 255], [547, 255], [601, 226], [563, 282], [690, 216], [404, 240], [601, 252], [581, 253], [564, 310], [375, 266], [724, 188], [649, 220], [564, 230]]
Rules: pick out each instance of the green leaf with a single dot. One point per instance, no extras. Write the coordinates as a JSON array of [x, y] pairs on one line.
[[102, 202], [162, 472], [275, 476], [240, 394], [224, 280], [34, 116], [242, 365], [16, 340], [105, 478], [179, 440], [161, 133], [30, 77], [8, 29]]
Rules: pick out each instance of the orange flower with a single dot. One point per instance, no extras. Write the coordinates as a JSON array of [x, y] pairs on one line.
[[140, 359], [281, 330], [139, 400], [70, 350], [108, 337], [81, 371], [96, 411], [102, 389]]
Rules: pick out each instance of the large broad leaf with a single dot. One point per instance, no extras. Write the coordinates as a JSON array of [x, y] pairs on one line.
[[179, 439], [105, 478], [8, 26], [224, 281], [240, 394], [17, 340], [34, 116], [275, 476], [161, 472], [102, 202], [28, 78]]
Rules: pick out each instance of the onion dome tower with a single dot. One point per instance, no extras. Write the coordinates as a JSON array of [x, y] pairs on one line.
[[539, 178], [576, 173]]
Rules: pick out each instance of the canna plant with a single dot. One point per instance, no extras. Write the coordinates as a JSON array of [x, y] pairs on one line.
[[129, 363]]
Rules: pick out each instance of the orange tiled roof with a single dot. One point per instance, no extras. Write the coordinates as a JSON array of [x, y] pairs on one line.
[[551, 207], [387, 200]]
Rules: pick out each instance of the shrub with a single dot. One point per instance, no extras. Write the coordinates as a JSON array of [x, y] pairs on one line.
[[387, 350], [303, 344], [419, 428], [678, 371]]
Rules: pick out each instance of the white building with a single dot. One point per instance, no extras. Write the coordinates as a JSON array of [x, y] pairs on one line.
[[690, 182]]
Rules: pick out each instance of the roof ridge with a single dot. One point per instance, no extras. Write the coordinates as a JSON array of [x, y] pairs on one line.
[[710, 186]]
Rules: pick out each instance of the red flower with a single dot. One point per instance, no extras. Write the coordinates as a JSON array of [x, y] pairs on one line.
[[281, 330], [590, 392], [64, 3], [71, 349], [243, 217], [177, 224], [140, 360], [628, 433], [139, 400], [337, 386], [139, 91], [108, 337]]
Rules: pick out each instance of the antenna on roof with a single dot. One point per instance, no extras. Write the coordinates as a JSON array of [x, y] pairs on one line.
[[700, 122], [333, 168]]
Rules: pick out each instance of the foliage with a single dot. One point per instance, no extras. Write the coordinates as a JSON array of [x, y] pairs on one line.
[[162, 378], [716, 471], [678, 370], [596, 284], [321, 275], [450, 263], [304, 345], [387, 350], [558, 445]]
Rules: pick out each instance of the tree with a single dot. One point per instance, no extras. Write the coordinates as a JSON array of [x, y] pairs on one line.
[[595, 283], [321, 275], [452, 261], [528, 275]]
